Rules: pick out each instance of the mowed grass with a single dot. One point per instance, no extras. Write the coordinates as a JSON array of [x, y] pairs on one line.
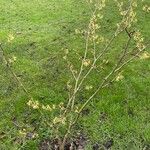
[[41, 30]]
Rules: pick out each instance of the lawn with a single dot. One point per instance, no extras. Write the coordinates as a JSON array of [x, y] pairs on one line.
[[40, 31]]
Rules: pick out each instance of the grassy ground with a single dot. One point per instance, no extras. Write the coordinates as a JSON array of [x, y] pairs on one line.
[[41, 29]]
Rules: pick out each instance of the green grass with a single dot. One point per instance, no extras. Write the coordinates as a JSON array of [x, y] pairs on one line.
[[41, 29]]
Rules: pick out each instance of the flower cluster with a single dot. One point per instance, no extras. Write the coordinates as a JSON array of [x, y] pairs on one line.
[[146, 8], [98, 4], [13, 59], [47, 107], [93, 26], [37, 105], [87, 62], [119, 77], [129, 15], [138, 38], [88, 87], [33, 104], [57, 120]]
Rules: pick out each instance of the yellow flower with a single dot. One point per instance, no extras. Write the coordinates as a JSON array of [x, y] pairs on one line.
[[54, 106], [33, 104], [65, 57], [59, 120], [100, 16], [35, 135], [146, 8], [61, 106], [87, 62], [22, 132], [66, 51], [10, 38], [145, 55], [29, 103], [12, 60], [77, 31], [76, 109], [47, 107], [119, 77], [88, 87]]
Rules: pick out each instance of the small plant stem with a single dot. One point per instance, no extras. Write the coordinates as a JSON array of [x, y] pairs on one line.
[[13, 73]]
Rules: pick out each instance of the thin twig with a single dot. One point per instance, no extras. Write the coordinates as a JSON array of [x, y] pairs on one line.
[[13, 73]]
